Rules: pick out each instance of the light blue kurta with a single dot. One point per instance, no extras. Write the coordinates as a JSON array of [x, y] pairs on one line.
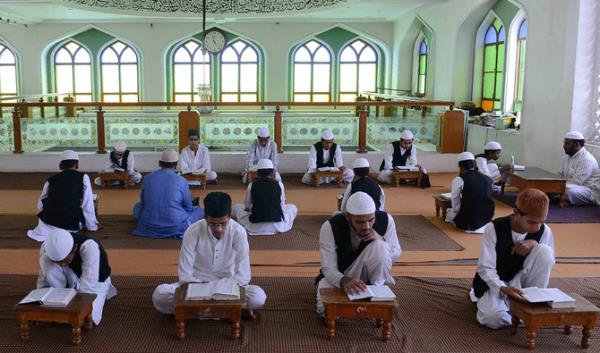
[[165, 209]]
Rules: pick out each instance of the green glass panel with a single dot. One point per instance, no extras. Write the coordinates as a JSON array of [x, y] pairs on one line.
[[518, 106], [422, 79], [497, 105], [522, 58], [489, 58], [497, 24], [488, 86], [500, 66], [520, 86], [422, 64], [499, 85]]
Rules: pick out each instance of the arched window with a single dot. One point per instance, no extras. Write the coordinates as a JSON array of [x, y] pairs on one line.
[[521, 38], [119, 64], [493, 66], [358, 70], [312, 73], [422, 73], [239, 73], [191, 67], [73, 72], [8, 72]]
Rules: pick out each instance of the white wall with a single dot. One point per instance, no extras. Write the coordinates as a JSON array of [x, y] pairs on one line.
[[152, 42]]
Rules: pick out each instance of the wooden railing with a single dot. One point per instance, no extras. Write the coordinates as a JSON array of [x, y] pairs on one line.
[[361, 107]]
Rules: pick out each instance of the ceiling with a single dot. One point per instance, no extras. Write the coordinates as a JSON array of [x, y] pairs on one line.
[[220, 11]]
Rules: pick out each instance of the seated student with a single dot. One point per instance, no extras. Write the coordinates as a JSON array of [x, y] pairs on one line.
[[76, 261], [264, 211], [165, 209], [66, 201], [365, 184], [213, 248], [517, 252], [595, 186], [357, 248], [472, 203], [121, 158], [195, 156], [326, 153], [400, 153], [577, 167], [487, 166], [261, 148]]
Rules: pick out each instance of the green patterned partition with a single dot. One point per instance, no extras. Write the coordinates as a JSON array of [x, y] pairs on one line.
[[6, 131], [58, 133], [233, 131]]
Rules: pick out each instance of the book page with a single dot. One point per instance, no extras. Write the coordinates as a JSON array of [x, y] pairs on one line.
[[381, 293], [35, 296], [406, 168], [199, 291], [447, 195], [225, 289], [366, 294], [59, 296]]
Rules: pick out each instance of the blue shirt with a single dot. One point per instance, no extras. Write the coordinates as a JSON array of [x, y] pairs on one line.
[[165, 209]]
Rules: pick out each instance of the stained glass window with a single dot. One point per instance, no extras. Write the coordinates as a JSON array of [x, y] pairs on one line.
[[493, 66], [73, 72], [422, 73], [312, 73], [358, 70], [239, 73], [521, 39], [119, 65]]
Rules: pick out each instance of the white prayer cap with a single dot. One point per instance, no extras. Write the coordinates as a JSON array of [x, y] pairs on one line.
[[327, 135], [493, 146], [361, 163], [169, 156], [69, 155], [360, 203], [120, 146], [58, 244], [264, 164], [407, 135], [574, 135], [263, 132], [466, 156]]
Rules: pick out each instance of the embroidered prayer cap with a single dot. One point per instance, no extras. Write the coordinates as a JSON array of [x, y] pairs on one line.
[[533, 202], [120, 146], [169, 156], [493, 146], [217, 204], [264, 164], [327, 135], [67, 155], [574, 135], [407, 135], [193, 132], [263, 132], [58, 244], [360, 203], [465, 156], [361, 163]]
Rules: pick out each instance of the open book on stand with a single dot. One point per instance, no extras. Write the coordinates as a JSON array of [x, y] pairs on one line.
[[59, 297], [446, 195], [375, 294], [406, 168], [552, 296], [223, 289], [200, 171], [329, 169]]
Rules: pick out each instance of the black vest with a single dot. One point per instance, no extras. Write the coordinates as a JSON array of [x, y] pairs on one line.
[[507, 264], [367, 185], [319, 149], [476, 205], [62, 207], [266, 201], [75, 265], [346, 254], [123, 163], [398, 159]]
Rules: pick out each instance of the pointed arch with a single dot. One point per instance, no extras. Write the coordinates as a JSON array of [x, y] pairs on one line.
[[421, 58], [311, 72], [490, 55], [358, 69], [119, 72], [9, 75], [72, 68], [239, 72], [515, 65]]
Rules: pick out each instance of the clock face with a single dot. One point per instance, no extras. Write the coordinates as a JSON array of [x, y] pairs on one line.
[[214, 41]]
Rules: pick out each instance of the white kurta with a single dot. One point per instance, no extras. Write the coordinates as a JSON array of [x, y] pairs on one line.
[[456, 190], [242, 215], [489, 168], [307, 178], [87, 205], [492, 307], [257, 152], [385, 175], [53, 275], [595, 186], [578, 170], [205, 258], [134, 176], [372, 266], [191, 160], [347, 195]]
